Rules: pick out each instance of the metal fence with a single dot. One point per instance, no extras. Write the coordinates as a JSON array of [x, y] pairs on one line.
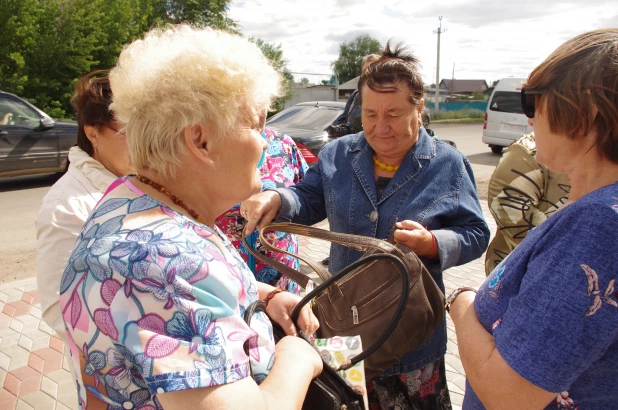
[[458, 105]]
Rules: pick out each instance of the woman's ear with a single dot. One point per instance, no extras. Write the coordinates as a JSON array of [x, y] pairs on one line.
[[198, 141], [419, 109], [92, 134]]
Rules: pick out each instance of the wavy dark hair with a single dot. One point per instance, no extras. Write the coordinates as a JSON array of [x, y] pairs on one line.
[[580, 80], [396, 67], [91, 99]]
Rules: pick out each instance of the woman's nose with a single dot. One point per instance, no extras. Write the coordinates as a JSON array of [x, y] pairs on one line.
[[382, 126], [531, 122]]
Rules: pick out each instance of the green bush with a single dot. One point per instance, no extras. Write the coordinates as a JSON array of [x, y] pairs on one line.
[[456, 115]]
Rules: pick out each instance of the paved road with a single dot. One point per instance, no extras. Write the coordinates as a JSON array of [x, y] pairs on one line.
[[468, 140], [20, 199]]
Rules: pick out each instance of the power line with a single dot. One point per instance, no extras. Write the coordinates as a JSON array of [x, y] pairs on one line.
[[293, 72]]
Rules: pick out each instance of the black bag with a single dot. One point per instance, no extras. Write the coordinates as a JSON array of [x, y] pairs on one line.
[[326, 392]]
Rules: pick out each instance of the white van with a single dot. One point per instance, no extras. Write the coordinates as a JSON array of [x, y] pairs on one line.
[[505, 120]]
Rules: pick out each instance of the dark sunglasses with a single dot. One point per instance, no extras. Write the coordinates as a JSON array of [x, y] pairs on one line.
[[528, 100]]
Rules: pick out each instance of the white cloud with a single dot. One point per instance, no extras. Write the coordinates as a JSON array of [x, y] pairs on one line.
[[485, 39]]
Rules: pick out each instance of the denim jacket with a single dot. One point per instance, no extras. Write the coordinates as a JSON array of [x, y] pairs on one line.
[[433, 186]]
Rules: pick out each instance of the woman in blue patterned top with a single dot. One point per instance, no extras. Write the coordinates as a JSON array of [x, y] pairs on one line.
[[153, 294], [542, 331]]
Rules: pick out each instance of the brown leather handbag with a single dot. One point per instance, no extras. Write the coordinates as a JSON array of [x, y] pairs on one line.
[[392, 309]]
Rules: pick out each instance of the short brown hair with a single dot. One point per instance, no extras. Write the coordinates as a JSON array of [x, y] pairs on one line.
[[394, 67], [91, 99], [581, 82]]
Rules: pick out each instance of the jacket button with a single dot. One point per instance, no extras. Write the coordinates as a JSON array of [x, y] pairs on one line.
[[373, 216]]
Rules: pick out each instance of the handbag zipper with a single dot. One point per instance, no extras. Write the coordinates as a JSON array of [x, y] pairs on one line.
[[355, 315]]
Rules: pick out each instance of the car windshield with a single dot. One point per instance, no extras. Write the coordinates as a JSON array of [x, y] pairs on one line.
[[306, 117], [506, 101]]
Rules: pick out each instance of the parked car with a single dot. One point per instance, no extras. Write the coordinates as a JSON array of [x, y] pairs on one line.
[[306, 123], [31, 142], [505, 120]]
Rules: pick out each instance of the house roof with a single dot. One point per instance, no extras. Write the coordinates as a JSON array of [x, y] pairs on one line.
[[350, 85], [464, 86]]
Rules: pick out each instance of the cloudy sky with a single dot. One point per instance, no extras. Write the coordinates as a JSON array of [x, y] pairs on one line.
[[484, 39]]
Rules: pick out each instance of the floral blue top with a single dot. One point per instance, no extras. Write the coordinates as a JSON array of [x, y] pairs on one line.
[[154, 302]]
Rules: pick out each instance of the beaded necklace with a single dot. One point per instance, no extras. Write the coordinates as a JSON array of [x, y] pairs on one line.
[[174, 198], [383, 166]]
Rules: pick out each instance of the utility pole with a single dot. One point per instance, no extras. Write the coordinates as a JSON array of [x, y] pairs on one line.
[[438, 31], [452, 82]]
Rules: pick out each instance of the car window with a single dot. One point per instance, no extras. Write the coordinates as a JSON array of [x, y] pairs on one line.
[[505, 101], [13, 112], [309, 117]]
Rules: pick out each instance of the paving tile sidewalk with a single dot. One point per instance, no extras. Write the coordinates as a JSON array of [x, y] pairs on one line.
[[34, 372]]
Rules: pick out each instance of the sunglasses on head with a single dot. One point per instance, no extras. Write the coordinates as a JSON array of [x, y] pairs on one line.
[[528, 100]]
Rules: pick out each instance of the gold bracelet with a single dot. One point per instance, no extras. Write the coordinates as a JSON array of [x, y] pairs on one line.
[[272, 294]]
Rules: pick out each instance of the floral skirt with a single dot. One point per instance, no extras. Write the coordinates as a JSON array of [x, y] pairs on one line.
[[422, 389]]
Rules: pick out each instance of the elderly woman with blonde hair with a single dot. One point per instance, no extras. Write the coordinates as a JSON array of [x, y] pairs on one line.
[[153, 295]]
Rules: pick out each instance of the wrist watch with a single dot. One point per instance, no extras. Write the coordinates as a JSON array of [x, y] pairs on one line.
[[449, 300]]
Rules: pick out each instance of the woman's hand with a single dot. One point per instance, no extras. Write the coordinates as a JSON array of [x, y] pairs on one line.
[[260, 209], [416, 237], [280, 308]]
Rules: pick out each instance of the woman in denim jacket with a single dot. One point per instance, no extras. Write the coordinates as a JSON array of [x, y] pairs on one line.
[[392, 176]]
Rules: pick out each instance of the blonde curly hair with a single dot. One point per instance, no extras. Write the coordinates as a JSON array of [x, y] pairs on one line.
[[180, 76]]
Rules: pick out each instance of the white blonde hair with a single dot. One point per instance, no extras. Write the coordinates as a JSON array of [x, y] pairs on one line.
[[180, 76]]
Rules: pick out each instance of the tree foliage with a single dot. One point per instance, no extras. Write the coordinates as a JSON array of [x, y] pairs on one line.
[[47, 44], [212, 13], [274, 54], [351, 54]]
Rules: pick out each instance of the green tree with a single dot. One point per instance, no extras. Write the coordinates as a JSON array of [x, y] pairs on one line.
[[479, 96], [351, 53], [47, 44], [274, 54], [304, 81], [54, 46], [212, 13]]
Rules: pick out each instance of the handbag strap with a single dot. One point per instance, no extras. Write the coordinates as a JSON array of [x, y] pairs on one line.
[[390, 326], [257, 306], [357, 242], [293, 274]]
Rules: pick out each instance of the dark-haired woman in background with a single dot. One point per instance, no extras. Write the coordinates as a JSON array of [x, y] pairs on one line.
[[101, 156], [392, 175]]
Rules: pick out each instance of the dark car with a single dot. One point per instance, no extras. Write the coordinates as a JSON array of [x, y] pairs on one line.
[[306, 124], [31, 142], [426, 117]]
